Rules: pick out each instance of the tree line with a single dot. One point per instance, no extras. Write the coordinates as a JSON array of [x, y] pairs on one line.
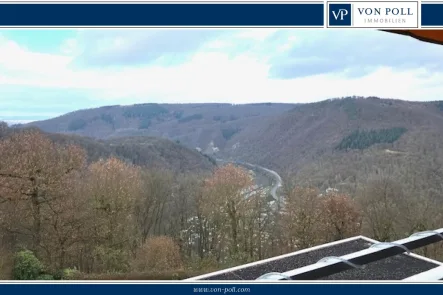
[[361, 139]]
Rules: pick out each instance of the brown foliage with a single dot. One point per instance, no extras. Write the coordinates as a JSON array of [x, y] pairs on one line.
[[113, 188], [6, 263], [158, 254], [157, 187], [228, 182], [380, 200], [301, 218], [340, 217], [224, 203], [36, 178]]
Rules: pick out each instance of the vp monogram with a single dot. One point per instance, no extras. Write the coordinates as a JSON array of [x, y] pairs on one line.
[[341, 13]]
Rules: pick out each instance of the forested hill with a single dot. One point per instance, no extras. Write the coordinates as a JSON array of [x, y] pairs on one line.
[[343, 143], [142, 151], [340, 126], [329, 143], [194, 125]]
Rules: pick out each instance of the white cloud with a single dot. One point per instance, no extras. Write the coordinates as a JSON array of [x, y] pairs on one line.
[[256, 35], [70, 46], [210, 74], [15, 58]]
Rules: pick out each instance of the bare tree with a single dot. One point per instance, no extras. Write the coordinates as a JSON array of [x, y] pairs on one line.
[[157, 188], [223, 201], [301, 218], [379, 200], [158, 254], [341, 217], [34, 172], [113, 187]]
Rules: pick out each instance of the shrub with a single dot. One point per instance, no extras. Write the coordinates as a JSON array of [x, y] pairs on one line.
[[206, 264], [26, 266], [111, 260], [70, 274], [45, 277], [158, 254]]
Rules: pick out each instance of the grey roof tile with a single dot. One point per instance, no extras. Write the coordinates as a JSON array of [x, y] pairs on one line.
[[394, 268]]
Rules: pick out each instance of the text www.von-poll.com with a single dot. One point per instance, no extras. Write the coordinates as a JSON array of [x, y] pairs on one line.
[[225, 290]]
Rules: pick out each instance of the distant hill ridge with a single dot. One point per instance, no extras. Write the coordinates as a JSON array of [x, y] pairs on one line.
[[194, 125], [288, 138]]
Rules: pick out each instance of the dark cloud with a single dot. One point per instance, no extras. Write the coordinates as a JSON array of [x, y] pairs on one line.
[[353, 53], [136, 47]]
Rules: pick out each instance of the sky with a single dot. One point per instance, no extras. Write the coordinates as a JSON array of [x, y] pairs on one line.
[[46, 73]]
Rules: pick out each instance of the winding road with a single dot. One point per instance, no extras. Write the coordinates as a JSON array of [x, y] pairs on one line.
[[276, 183]]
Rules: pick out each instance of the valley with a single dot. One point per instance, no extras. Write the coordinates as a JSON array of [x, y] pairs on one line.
[[292, 139], [210, 186]]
